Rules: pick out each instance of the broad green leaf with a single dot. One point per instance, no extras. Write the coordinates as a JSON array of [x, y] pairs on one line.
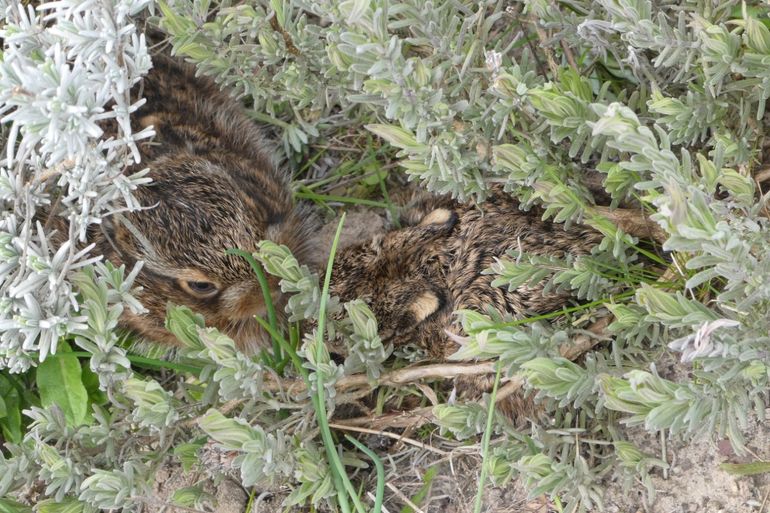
[[231, 433], [60, 381], [184, 324], [187, 453], [10, 420], [396, 136], [91, 383], [177, 25], [757, 35], [190, 496], [69, 505], [9, 506]]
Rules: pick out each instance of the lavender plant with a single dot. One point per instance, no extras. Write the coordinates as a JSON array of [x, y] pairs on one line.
[[67, 66], [580, 107]]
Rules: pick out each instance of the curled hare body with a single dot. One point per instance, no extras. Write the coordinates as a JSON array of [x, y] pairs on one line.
[[214, 186], [415, 277]]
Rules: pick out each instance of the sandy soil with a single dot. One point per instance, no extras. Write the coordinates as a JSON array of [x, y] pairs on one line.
[[695, 482]]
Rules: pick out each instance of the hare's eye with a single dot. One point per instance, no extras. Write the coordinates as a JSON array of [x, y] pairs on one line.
[[202, 289]]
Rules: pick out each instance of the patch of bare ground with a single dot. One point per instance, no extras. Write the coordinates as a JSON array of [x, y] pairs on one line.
[[695, 482]]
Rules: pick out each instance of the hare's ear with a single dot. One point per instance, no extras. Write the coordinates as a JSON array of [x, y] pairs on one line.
[[437, 223], [440, 217], [424, 305], [166, 136], [414, 242], [163, 130], [406, 308], [422, 205]]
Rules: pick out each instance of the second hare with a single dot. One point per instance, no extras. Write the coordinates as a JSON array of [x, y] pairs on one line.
[[415, 277]]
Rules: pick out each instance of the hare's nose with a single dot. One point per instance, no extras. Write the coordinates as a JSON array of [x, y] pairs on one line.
[[252, 302], [241, 301]]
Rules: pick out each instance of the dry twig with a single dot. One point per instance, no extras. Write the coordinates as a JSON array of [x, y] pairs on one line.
[[568, 54], [286, 36], [393, 378], [762, 175], [424, 415], [395, 436], [633, 223]]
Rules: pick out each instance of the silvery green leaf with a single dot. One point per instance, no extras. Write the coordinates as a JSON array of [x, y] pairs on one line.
[[153, 405]]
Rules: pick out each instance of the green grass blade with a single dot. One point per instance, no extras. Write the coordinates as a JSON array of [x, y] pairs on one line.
[[585, 306], [380, 491], [288, 349], [151, 363], [746, 469], [339, 199], [262, 279], [341, 479], [485, 441]]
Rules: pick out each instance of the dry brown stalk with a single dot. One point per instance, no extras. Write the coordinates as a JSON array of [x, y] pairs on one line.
[[412, 374], [568, 54], [434, 371], [543, 37], [286, 36], [762, 175], [585, 342], [397, 437], [424, 415], [406, 419], [393, 378], [633, 223], [360, 385]]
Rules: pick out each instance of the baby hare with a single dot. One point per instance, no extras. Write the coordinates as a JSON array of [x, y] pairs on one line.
[[415, 277], [214, 187]]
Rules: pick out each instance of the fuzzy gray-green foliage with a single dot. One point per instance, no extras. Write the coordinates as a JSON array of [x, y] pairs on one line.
[[666, 104], [66, 66]]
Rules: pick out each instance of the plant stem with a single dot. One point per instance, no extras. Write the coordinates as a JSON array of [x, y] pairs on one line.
[[380, 472], [262, 279], [485, 441], [338, 470]]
